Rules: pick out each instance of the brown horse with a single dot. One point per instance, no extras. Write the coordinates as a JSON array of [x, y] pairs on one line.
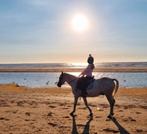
[[104, 86]]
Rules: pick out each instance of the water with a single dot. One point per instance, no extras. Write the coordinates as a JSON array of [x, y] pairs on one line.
[[40, 79], [49, 79], [77, 65]]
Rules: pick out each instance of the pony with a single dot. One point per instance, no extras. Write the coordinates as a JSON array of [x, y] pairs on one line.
[[103, 86]]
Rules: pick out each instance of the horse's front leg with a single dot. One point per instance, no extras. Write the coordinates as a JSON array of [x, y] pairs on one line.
[[75, 104], [86, 104]]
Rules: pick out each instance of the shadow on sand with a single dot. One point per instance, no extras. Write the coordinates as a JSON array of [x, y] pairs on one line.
[[86, 126], [120, 128], [86, 130]]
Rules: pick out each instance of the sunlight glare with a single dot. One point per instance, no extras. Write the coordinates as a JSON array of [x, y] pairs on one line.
[[80, 23], [79, 65]]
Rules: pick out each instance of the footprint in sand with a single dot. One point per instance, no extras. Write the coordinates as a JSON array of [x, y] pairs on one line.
[[14, 112], [66, 117], [61, 104], [110, 130], [131, 106], [138, 113], [52, 106], [139, 130], [3, 118], [27, 120], [3, 103], [50, 114], [126, 107], [92, 105], [65, 108], [20, 103], [27, 113], [68, 106], [84, 108], [52, 124], [144, 107], [120, 110], [104, 105], [129, 119], [98, 117]]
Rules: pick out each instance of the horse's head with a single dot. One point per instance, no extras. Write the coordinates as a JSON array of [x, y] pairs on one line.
[[61, 80]]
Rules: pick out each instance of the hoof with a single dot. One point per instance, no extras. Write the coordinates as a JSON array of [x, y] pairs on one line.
[[91, 115], [72, 114], [110, 116]]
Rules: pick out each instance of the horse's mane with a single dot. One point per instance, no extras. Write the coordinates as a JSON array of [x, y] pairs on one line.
[[71, 76]]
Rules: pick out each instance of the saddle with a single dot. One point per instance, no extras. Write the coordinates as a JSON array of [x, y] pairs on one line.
[[83, 83]]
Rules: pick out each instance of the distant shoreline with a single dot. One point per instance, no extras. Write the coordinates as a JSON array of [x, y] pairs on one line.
[[60, 69]]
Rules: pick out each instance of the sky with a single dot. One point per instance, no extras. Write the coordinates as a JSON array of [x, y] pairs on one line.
[[40, 31]]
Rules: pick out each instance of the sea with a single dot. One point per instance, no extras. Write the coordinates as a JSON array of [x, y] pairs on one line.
[[50, 79]]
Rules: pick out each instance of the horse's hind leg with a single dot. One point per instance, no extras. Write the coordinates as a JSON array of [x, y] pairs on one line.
[[86, 104], [111, 102]]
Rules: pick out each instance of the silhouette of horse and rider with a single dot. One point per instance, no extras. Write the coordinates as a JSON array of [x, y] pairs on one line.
[[86, 129], [87, 86]]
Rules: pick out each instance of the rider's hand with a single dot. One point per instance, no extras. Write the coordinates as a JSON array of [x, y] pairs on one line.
[[80, 75]]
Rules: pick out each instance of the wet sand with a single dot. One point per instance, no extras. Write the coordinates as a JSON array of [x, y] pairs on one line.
[[46, 111]]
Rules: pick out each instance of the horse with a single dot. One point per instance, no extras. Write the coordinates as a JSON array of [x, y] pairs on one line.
[[103, 86]]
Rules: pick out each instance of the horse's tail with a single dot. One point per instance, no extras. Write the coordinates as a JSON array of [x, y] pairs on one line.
[[116, 86]]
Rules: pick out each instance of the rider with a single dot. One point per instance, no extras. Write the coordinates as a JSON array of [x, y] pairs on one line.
[[87, 72], [86, 76], [90, 59]]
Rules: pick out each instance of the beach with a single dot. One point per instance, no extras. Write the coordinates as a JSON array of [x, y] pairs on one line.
[[59, 69], [46, 111], [98, 46]]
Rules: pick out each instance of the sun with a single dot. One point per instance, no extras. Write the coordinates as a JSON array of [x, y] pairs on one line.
[[80, 23]]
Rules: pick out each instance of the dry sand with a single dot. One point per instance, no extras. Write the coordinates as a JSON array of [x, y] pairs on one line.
[[46, 111]]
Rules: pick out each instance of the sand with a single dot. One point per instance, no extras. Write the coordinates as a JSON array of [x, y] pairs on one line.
[[46, 111]]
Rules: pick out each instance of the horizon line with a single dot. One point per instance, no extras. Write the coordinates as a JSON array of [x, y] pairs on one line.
[[76, 62]]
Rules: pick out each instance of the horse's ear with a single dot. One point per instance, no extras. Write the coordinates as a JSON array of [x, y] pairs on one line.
[[62, 72]]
